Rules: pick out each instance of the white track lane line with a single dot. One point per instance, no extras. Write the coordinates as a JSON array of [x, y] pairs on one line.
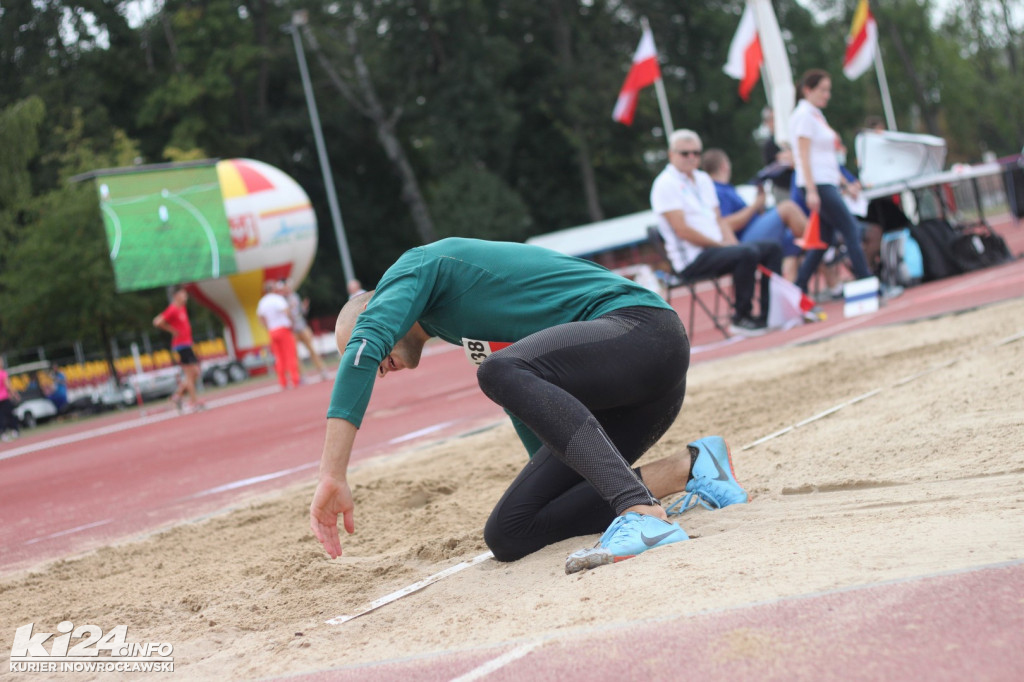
[[497, 663], [144, 420]]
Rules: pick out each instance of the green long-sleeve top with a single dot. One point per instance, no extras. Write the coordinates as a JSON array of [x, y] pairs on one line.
[[469, 289]]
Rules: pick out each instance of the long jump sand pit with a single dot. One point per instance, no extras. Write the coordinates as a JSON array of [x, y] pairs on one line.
[[922, 477]]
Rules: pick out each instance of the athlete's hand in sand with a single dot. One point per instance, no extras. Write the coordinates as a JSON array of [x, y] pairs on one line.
[[331, 499]]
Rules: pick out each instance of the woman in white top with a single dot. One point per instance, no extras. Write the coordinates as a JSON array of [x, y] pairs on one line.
[[818, 176]]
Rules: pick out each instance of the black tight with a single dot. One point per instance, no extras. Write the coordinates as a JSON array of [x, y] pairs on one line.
[[598, 394]]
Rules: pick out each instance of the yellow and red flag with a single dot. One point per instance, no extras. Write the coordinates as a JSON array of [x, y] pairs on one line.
[[861, 43]]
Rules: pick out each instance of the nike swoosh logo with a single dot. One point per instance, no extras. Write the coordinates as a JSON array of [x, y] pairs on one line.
[[650, 542], [722, 476]]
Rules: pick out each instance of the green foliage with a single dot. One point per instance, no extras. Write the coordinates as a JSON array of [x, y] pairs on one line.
[[496, 104], [57, 282], [473, 202], [19, 126]]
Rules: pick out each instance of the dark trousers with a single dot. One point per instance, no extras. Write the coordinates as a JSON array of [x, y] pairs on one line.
[[598, 394], [7, 418], [834, 216], [741, 262]]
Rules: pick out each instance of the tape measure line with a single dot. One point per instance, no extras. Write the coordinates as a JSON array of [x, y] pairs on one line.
[[415, 587], [901, 382]]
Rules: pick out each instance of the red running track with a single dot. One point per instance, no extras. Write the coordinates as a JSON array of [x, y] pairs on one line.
[[945, 628], [77, 487]]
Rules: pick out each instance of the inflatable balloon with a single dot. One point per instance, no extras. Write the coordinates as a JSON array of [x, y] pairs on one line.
[[273, 230]]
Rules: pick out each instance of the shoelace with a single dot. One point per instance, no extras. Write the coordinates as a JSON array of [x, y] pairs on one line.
[[619, 520], [692, 499]]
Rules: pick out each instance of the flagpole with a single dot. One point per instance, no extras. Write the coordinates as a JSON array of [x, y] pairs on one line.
[[883, 89], [779, 81], [659, 88]]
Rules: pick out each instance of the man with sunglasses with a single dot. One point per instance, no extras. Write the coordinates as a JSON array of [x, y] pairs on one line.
[[699, 242]]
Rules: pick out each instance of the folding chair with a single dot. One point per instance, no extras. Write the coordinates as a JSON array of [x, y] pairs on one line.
[[719, 318]]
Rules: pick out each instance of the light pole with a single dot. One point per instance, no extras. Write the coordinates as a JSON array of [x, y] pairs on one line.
[[301, 18]]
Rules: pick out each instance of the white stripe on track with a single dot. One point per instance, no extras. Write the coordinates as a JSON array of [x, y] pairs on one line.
[[496, 663]]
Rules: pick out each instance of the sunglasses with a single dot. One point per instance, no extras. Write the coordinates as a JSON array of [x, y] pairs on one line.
[[687, 152]]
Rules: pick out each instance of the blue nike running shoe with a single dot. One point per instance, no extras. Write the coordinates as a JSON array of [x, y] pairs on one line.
[[714, 483], [627, 536]]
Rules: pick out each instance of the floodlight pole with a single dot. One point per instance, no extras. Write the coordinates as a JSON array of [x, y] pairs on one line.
[[301, 18]]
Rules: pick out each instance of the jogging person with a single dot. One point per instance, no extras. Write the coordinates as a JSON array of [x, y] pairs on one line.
[[590, 366], [174, 320]]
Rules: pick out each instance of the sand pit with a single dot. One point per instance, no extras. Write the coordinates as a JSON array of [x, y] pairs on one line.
[[917, 479]]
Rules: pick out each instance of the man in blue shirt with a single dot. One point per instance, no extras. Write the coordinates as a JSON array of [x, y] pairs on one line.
[[752, 223]]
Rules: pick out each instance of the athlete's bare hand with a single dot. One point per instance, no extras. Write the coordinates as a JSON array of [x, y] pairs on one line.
[[331, 499]]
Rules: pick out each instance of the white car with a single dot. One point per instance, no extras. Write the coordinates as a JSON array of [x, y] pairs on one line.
[[32, 406], [32, 410]]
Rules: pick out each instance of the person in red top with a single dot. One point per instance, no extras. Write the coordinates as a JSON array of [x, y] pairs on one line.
[[174, 320]]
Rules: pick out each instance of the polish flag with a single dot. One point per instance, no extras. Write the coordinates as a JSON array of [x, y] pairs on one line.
[[644, 72], [861, 43], [744, 63]]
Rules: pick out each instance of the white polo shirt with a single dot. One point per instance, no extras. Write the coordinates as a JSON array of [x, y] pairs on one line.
[[808, 121], [275, 310], [697, 199]]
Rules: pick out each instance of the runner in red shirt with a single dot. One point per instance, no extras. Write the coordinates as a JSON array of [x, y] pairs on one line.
[[174, 320]]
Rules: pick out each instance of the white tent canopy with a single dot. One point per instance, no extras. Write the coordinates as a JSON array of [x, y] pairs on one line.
[[599, 237]]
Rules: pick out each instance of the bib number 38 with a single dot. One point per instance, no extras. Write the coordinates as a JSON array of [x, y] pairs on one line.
[[478, 351]]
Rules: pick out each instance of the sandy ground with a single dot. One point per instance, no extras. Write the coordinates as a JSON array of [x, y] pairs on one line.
[[924, 476]]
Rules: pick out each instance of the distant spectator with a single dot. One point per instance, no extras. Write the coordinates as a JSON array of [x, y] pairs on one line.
[[299, 307], [885, 212], [8, 422], [355, 287], [818, 175], [58, 389], [698, 240], [274, 312], [753, 223], [174, 320], [781, 158]]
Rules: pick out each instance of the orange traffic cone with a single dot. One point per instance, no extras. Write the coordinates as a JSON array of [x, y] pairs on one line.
[[811, 240]]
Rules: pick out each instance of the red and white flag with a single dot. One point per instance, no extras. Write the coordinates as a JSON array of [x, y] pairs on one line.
[[861, 43], [643, 73], [744, 63], [786, 303]]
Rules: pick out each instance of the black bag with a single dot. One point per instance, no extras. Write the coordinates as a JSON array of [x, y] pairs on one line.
[[979, 247], [935, 237]]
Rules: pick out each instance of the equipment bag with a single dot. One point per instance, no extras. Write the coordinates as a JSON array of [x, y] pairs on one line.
[[935, 237], [979, 247], [902, 262]]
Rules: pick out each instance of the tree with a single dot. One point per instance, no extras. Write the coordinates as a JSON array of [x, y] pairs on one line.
[[58, 281], [362, 94]]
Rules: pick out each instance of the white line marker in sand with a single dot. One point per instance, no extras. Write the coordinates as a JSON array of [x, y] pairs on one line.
[[415, 587], [905, 380], [526, 648]]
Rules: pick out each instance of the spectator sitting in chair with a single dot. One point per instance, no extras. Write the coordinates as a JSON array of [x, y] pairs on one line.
[[699, 242], [57, 391], [752, 223]]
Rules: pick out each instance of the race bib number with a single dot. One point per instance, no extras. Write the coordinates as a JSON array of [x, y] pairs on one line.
[[478, 351]]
